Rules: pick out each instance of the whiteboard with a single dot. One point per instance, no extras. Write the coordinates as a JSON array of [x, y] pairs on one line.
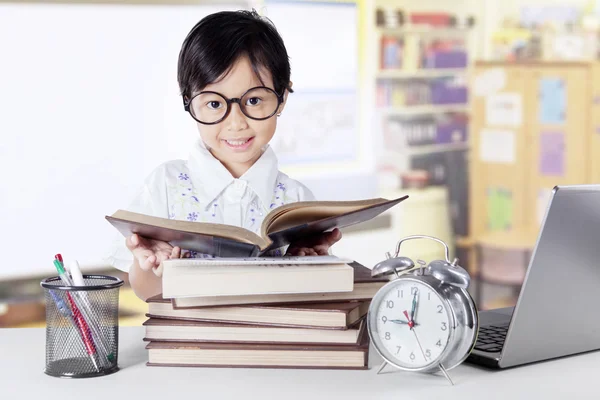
[[89, 106], [320, 122]]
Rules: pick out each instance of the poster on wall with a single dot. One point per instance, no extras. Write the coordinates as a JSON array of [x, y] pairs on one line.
[[499, 208], [504, 109], [489, 82], [497, 146], [552, 101], [552, 154]]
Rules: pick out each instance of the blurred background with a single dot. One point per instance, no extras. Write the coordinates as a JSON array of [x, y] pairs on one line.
[[474, 108]]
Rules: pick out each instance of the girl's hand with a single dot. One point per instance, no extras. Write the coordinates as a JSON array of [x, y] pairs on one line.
[[149, 253], [316, 246]]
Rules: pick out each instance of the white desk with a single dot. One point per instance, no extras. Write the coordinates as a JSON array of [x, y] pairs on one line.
[[22, 358]]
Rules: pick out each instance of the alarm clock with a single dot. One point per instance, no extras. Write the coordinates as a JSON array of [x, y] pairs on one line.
[[424, 319]]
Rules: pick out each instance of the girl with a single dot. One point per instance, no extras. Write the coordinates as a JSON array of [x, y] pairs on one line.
[[234, 76]]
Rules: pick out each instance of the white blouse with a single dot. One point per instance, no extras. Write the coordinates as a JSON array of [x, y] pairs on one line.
[[202, 189]]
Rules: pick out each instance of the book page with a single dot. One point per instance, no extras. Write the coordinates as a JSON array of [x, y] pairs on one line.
[[287, 260], [294, 214]]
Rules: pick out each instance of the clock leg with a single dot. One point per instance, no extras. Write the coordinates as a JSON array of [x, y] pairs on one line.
[[446, 374], [382, 367]]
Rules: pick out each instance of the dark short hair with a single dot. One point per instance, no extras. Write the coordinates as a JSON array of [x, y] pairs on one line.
[[220, 39]]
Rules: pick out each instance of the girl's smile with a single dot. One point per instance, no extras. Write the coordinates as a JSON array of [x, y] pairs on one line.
[[239, 144]]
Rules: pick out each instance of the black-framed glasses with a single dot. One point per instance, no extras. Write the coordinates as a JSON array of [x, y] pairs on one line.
[[258, 103]]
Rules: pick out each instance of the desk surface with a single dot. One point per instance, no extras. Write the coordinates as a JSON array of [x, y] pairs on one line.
[[22, 364]]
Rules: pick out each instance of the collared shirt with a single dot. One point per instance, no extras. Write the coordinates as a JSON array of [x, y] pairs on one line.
[[202, 189]]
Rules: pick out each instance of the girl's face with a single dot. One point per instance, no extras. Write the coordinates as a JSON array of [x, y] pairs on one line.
[[238, 141]]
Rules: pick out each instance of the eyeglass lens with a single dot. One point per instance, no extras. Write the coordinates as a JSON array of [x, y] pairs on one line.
[[258, 103]]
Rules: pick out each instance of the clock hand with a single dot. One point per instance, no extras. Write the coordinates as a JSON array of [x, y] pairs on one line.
[[411, 324], [419, 343], [400, 321], [425, 357], [413, 310]]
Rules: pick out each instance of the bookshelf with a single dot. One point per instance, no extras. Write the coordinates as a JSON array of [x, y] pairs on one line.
[[424, 109], [421, 76], [419, 73], [425, 30]]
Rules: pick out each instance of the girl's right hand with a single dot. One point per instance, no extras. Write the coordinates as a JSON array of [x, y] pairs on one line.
[[150, 253]]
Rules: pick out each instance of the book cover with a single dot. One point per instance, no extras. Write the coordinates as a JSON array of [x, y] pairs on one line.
[[283, 225], [364, 288], [264, 355], [335, 315], [212, 277], [164, 330]]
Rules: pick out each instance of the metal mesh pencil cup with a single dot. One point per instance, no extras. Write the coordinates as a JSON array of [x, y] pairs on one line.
[[82, 327]]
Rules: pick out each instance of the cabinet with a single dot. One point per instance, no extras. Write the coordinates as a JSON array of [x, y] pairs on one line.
[[533, 127]]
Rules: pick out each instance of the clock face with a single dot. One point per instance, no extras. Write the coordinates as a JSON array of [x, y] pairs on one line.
[[410, 324]]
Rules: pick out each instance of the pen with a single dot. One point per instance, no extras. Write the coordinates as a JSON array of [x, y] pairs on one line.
[[82, 309], [83, 327], [64, 310], [77, 278], [78, 321], [76, 273]]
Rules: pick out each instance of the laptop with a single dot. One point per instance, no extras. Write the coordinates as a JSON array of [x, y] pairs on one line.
[[557, 312]]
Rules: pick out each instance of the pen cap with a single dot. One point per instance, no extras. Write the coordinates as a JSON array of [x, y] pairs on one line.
[[76, 273], [82, 326]]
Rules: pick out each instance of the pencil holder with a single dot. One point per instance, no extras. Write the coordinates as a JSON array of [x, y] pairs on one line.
[[82, 326]]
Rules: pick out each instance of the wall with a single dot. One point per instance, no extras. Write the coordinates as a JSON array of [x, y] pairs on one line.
[[91, 105]]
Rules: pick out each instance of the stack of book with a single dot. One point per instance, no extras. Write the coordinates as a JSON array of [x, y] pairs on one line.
[[283, 312], [241, 309]]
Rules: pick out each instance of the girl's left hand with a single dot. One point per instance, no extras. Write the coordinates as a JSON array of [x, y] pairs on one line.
[[316, 246]]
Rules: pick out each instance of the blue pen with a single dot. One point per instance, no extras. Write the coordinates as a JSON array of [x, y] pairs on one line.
[[62, 307], [66, 312]]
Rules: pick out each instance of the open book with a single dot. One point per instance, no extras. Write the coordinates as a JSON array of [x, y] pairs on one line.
[[282, 226]]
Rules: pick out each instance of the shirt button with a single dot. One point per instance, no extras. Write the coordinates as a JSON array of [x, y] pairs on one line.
[[238, 186]]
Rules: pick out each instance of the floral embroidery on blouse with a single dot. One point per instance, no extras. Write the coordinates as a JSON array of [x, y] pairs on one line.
[[280, 196], [184, 204], [179, 193], [193, 216]]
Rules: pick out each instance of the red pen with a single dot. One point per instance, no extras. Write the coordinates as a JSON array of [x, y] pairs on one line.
[[82, 326], [84, 330]]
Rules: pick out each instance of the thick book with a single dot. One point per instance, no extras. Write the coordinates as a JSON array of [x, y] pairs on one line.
[[281, 226], [338, 315], [185, 277], [364, 288], [164, 330], [263, 355]]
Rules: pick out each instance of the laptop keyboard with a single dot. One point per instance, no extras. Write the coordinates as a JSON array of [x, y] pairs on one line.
[[491, 338]]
